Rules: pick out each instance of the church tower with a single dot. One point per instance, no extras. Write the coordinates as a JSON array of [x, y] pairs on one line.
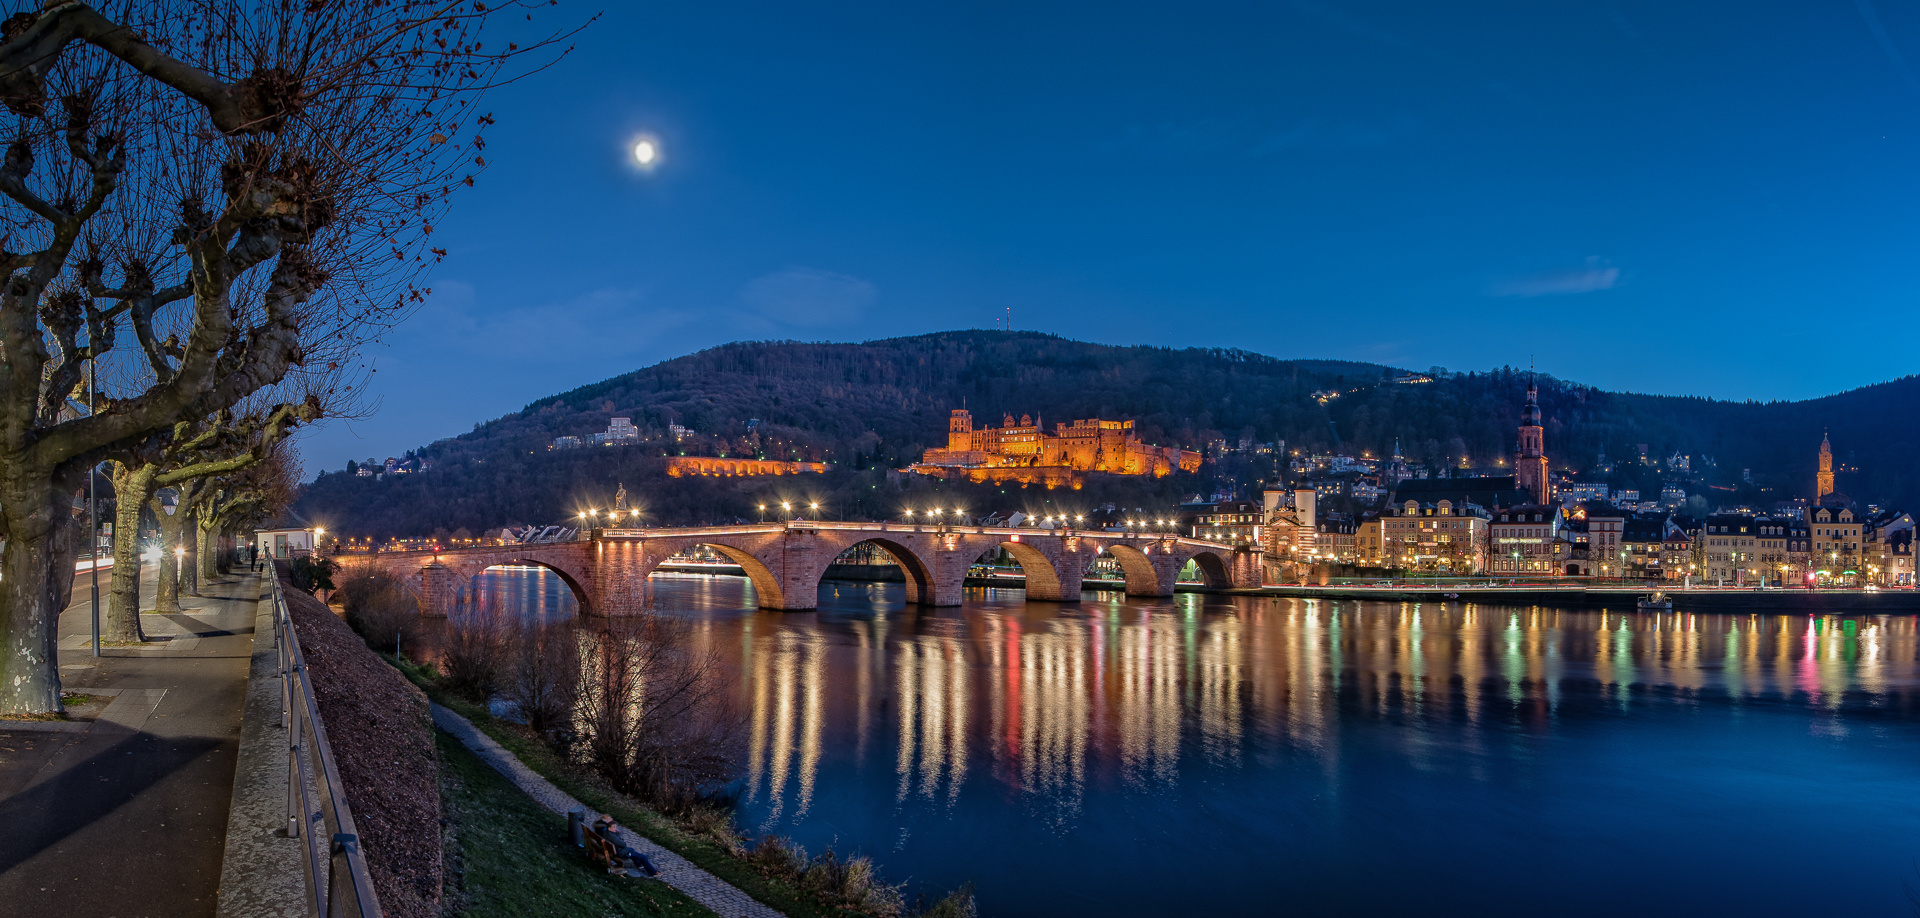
[[1823, 483], [1530, 461]]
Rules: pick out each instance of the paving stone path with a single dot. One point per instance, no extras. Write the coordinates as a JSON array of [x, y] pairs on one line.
[[725, 899]]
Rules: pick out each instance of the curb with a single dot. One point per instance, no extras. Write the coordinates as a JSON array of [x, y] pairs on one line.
[[261, 875]]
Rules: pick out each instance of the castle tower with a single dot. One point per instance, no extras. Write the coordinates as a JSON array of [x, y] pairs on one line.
[[1823, 482], [1530, 460], [960, 431]]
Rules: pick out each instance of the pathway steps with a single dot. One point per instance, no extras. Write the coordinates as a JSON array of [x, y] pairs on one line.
[[724, 898]]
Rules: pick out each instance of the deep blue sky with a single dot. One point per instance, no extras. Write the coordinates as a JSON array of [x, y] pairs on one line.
[[1710, 199]]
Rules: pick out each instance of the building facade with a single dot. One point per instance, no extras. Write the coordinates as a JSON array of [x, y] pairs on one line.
[[1523, 541]]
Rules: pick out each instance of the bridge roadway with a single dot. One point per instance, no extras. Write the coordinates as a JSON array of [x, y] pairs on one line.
[[607, 571]]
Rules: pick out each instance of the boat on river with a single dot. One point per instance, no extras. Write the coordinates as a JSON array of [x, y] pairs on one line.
[[1656, 601]]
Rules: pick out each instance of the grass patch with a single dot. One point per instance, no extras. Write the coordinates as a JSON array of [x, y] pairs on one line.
[[509, 858], [79, 699], [705, 852]]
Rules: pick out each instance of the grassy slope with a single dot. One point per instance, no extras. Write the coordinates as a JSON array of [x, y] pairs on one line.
[[705, 853], [512, 858]]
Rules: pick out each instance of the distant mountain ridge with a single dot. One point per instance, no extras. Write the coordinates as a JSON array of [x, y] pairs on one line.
[[878, 404]]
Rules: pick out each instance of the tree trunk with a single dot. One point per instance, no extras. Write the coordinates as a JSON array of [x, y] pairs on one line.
[[167, 594], [210, 557], [36, 581], [131, 489], [190, 548]]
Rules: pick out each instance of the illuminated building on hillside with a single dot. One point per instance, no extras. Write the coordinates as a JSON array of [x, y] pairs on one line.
[[1025, 451]]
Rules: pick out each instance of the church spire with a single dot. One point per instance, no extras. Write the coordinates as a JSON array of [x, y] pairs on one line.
[[1530, 458], [1823, 482]]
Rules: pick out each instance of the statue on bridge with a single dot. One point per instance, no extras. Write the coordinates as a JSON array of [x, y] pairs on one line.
[[620, 499]]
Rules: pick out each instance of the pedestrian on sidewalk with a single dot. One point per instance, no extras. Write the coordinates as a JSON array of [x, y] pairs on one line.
[[253, 557]]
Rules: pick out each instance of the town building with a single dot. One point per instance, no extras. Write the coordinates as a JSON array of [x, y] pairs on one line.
[[1643, 543], [1369, 549], [1235, 522], [1837, 538], [1291, 533], [1441, 536], [1731, 548], [1523, 541]]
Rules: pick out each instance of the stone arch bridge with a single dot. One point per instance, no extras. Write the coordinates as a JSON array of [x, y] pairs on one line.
[[786, 561]]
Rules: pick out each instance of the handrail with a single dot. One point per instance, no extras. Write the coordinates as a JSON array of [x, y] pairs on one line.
[[338, 884]]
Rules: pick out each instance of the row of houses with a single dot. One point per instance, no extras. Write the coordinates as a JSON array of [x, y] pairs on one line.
[[1489, 527]]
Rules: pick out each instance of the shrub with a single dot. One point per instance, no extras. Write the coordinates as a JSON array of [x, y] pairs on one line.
[[311, 575], [471, 662], [956, 904], [378, 606]]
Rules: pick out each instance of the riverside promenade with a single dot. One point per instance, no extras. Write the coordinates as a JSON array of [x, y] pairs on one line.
[[143, 789]]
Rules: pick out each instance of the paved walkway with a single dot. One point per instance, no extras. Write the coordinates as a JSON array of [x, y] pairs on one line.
[[726, 900], [143, 792]]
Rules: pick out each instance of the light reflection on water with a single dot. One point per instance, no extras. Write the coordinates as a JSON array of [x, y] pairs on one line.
[[1167, 756]]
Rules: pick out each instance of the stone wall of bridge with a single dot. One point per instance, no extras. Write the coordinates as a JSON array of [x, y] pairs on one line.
[[786, 562]]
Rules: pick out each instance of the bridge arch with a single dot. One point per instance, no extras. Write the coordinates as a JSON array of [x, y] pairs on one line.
[[766, 584], [914, 569], [1142, 578], [1043, 578], [1215, 571], [468, 572]]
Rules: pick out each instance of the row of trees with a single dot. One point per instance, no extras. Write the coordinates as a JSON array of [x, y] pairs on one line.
[[207, 208]]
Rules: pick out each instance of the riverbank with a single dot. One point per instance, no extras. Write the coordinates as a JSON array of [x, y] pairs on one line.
[[1624, 599], [713, 845]]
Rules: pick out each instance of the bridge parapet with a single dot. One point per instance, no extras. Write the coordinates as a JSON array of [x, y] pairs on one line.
[[608, 570]]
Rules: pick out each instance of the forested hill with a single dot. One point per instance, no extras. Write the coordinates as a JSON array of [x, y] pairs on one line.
[[877, 405]]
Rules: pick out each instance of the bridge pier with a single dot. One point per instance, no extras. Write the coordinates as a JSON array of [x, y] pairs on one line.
[[439, 590]]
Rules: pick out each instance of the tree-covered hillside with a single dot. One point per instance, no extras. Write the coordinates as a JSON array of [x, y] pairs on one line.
[[875, 406]]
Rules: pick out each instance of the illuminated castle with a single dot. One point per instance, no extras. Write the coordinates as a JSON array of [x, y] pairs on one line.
[[1025, 451]]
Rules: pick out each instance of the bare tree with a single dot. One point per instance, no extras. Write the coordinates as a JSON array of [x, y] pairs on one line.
[[543, 676], [244, 501], [656, 720], [248, 186], [186, 463]]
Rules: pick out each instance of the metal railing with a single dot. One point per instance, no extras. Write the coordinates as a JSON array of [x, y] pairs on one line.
[[338, 884]]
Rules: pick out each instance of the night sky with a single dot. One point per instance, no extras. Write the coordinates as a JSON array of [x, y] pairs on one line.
[[1708, 199]]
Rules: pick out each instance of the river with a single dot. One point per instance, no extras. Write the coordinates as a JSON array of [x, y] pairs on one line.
[[1236, 755]]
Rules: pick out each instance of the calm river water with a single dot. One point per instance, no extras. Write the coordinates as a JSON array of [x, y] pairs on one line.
[[1232, 755]]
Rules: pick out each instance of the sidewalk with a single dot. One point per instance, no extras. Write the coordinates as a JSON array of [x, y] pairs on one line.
[[127, 816]]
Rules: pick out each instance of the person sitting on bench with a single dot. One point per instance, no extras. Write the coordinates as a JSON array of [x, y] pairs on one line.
[[618, 849]]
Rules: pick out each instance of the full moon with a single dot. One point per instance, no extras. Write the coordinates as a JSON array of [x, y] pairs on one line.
[[645, 152]]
